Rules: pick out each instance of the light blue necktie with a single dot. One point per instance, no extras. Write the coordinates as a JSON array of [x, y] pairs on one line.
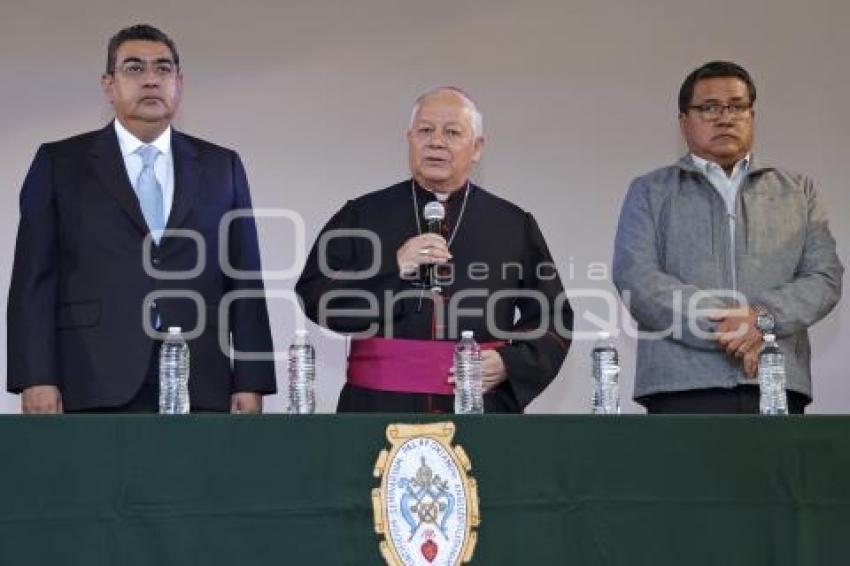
[[150, 192]]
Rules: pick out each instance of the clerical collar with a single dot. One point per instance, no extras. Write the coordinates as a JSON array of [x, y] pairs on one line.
[[453, 197]]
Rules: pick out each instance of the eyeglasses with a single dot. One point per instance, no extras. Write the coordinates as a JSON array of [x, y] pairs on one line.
[[712, 111], [137, 69]]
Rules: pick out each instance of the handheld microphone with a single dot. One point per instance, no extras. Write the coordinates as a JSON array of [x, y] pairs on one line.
[[434, 214]]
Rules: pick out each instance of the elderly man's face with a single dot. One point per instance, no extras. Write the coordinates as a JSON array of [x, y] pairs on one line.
[[443, 148], [725, 138]]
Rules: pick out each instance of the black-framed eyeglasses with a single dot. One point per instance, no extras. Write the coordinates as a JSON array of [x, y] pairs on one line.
[[712, 111], [135, 69]]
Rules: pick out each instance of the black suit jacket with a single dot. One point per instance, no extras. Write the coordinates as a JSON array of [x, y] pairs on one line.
[[80, 290]]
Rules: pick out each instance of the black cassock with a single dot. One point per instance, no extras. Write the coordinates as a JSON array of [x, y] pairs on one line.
[[500, 264]]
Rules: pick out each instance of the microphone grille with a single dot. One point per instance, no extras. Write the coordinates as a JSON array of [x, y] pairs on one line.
[[434, 211]]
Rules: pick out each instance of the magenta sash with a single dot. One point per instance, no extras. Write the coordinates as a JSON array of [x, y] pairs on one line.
[[404, 366]]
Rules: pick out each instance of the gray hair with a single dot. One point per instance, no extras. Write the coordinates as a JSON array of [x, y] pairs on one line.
[[477, 120]]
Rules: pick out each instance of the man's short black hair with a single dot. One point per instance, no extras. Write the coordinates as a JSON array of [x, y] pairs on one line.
[[138, 32], [711, 70]]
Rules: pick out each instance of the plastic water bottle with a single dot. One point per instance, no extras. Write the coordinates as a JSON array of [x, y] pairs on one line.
[[302, 375], [606, 371], [174, 374], [469, 399], [772, 399]]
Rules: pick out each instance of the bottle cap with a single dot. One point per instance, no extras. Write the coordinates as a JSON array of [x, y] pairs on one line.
[[466, 334], [770, 337], [175, 329]]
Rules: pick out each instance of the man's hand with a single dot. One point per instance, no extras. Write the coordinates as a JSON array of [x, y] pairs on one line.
[[736, 331], [493, 371], [246, 402], [41, 400], [751, 363], [424, 249]]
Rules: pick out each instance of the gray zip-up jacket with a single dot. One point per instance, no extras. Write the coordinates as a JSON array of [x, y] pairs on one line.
[[673, 249]]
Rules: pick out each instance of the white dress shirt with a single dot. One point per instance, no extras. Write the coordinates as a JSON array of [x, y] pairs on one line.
[[727, 186], [163, 167]]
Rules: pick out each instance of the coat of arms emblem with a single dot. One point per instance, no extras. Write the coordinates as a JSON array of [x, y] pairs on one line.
[[426, 508]]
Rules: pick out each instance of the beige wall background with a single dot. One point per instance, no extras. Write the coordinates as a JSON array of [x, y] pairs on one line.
[[578, 98]]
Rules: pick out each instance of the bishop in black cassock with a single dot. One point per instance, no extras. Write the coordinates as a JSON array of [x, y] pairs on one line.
[[496, 275]]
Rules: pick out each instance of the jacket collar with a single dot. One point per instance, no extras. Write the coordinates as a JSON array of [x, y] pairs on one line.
[[187, 179], [108, 165], [757, 166]]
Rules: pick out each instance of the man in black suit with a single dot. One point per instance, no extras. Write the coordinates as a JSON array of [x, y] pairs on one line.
[[98, 272]]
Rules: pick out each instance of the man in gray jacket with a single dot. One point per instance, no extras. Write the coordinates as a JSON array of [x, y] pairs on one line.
[[715, 250]]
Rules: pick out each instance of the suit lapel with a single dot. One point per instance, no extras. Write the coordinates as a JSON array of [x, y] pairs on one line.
[[108, 165], [187, 179]]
